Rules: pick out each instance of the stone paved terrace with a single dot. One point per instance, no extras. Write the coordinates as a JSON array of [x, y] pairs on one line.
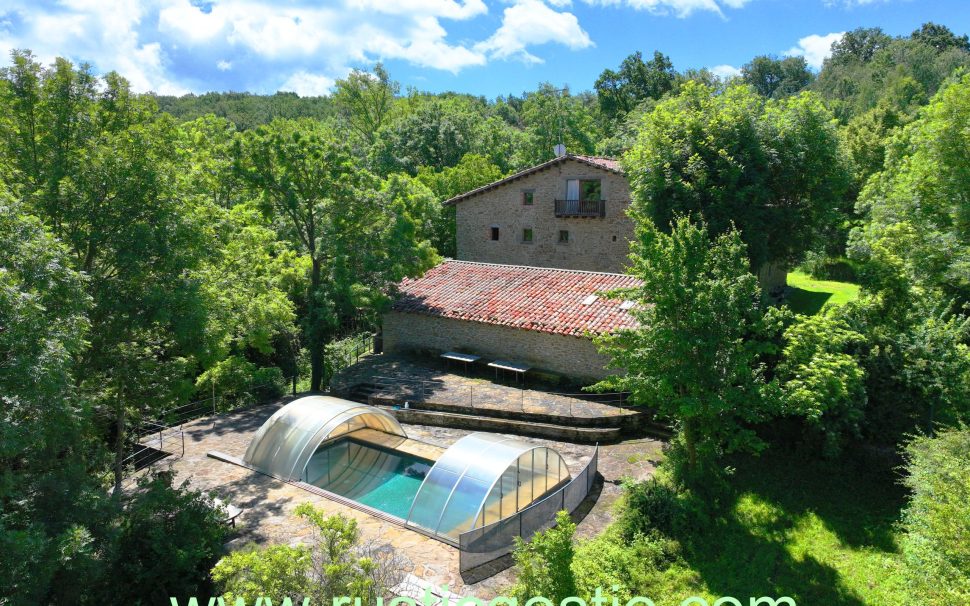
[[424, 379], [269, 503]]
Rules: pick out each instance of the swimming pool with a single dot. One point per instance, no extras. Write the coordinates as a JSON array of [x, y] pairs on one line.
[[383, 479]]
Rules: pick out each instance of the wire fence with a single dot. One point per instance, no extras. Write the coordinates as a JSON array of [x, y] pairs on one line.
[[343, 353], [488, 543], [490, 396]]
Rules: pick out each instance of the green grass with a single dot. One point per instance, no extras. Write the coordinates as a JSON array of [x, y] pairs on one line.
[[809, 295], [820, 533]]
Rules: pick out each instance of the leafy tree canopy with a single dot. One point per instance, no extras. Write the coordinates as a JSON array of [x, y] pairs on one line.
[[772, 168]]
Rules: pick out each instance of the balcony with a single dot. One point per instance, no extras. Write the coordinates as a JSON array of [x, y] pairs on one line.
[[580, 208]]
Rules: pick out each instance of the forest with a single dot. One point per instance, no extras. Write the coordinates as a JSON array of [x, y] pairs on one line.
[[157, 251]]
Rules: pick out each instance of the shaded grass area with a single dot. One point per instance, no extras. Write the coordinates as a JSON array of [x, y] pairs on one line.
[[808, 295], [822, 533]]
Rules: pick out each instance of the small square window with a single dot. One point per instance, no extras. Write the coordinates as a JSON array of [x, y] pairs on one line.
[[494, 232], [528, 197], [527, 234], [563, 236]]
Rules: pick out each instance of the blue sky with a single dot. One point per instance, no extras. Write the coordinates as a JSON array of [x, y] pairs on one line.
[[485, 47]]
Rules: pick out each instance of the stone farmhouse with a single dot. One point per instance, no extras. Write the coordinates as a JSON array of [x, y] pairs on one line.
[[568, 213], [536, 252]]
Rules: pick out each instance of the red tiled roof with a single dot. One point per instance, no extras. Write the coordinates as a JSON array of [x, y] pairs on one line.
[[531, 298], [608, 163], [605, 163]]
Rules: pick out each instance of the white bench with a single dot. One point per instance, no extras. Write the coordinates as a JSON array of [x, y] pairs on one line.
[[231, 511], [514, 367], [466, 359]]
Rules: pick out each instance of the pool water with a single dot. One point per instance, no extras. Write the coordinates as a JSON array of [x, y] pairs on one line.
[[383, 479]]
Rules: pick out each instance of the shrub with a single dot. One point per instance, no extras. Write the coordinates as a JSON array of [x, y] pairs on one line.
[[278, 571], [625, 569], [649, 507], [337, 563], [164, 544], [936, 544], [823, 267], [239, 382], [544, 565], [822, 381]]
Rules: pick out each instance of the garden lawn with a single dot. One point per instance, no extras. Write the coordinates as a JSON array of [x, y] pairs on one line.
[[809, 295], [821, 533]]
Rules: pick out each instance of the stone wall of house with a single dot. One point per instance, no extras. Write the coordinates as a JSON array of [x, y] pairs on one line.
[[594, 244], [573, 357]]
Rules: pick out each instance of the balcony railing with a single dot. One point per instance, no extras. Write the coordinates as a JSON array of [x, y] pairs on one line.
[[580, 208]]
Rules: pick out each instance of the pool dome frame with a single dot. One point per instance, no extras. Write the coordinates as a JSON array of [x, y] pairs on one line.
[[480, 479]]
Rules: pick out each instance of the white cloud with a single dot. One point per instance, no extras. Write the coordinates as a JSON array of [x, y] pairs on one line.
[[447, 9], [306, 84], [815, 48], [680, 8], [103, 32], [532, 22], [725, 72], [172, 46], [852, 3]]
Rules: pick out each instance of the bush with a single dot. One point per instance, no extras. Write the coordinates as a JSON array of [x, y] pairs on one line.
[[649, 507], [278, 571], [644, 566], [823, 267], [544, 565], [239, 382], [337, 563], [936, 544], [164, 544]]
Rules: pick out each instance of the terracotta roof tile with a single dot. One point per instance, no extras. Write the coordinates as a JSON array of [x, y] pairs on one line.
[[531, 298]]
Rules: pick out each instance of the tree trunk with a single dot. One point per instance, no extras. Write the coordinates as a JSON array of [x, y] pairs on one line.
[[690, 443], [119, 443], [315, 331]]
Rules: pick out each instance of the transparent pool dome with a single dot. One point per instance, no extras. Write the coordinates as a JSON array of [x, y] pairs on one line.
[[480, 479], [483, 478], [285, 443]]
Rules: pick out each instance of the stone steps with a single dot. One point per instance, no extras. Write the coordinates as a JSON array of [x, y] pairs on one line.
[[580, 435], [586, 430]]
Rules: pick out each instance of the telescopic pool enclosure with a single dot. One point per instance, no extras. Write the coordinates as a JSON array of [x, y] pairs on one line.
[[479, 481]]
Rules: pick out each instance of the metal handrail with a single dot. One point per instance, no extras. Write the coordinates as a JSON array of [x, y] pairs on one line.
[[580, 208]]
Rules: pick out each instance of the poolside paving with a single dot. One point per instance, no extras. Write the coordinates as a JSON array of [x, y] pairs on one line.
[[423, 379], [269, 503]]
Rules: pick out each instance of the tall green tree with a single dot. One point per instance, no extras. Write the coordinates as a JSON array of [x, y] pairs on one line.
[[552, 116], [44, 425], [366, 100], [773, 169], [919, 205], [695, 357], [105, 183], [775, 78], [619, 91], [357, 241]]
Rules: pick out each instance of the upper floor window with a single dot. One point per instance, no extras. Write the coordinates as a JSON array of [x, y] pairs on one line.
[[584, 189], [527, 234], [493, 232], [528, 197]]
